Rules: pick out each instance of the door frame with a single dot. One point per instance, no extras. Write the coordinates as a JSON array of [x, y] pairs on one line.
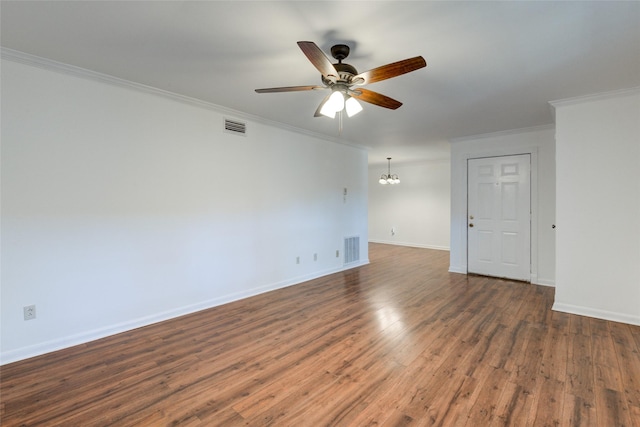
[[459, 197], [528, 274]]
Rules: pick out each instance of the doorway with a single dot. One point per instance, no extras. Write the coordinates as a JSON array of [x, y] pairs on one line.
[[499, 216]]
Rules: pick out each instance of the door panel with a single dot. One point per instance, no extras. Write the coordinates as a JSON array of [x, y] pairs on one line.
[[485, 245], [510, 201], [510, 248], [499, 217]]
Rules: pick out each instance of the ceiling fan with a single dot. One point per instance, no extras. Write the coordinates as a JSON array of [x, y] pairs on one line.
[[346, 83]]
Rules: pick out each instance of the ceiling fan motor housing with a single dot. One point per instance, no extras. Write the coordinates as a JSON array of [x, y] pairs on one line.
[[345, 71], [340, 51], [345, 68]]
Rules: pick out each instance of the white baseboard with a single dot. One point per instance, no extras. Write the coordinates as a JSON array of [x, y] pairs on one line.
[[411, 245], [92, 335], [597, 313], [535, 280], [544, 282]]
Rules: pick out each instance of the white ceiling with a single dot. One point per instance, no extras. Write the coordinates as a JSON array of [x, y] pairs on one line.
[[492, 66]]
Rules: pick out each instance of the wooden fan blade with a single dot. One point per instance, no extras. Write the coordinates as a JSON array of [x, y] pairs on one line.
[[375, 98], [318, 58], [288, 89], [392, 70]]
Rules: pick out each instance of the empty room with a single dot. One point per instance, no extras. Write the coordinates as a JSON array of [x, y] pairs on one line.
[[320, 213]]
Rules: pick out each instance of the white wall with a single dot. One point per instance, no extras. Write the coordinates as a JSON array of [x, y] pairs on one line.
[[122, 207], [417, 208], [598, 206], [539, 142]]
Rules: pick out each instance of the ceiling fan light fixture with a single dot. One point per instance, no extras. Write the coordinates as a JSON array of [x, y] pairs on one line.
[[352, 106], [337, 101], [327, 111], [334, 104], [341, 78]]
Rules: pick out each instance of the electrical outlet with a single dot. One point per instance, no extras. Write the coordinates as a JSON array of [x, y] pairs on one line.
[[29, 312], [315, 257], [337, 253], [297, 260]]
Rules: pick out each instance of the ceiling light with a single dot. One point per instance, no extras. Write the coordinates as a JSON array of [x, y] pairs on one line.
[[388, 178], [334, 104], [352, 106]]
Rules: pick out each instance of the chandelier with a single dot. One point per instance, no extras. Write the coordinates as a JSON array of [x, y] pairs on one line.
[[388, 178]]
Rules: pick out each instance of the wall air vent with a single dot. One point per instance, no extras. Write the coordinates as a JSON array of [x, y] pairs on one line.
[[351, 249], [235, 127]]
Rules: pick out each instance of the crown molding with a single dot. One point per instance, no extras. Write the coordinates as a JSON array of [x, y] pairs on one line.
[[72, 70], [596, 97], [411, 162], [504, 133]]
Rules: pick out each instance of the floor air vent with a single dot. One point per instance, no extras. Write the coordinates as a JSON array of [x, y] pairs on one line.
[[235, 127], [351, 249]]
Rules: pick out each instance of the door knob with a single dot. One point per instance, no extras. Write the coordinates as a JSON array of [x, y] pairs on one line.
[[471, 225]]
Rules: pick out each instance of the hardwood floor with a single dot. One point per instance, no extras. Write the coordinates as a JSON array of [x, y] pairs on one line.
[[398, 342]]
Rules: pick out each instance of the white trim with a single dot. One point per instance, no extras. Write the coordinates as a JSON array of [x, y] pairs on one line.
[[72, 70], [544, 282], [598, 314], [411, 245], [453, 269], [411, 162], [503, 133], [596, 97], [85, 337]]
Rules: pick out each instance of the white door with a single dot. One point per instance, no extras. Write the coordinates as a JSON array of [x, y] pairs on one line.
[[499, 217]]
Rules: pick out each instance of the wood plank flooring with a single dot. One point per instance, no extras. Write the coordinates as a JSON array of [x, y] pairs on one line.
[[398, 342]]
